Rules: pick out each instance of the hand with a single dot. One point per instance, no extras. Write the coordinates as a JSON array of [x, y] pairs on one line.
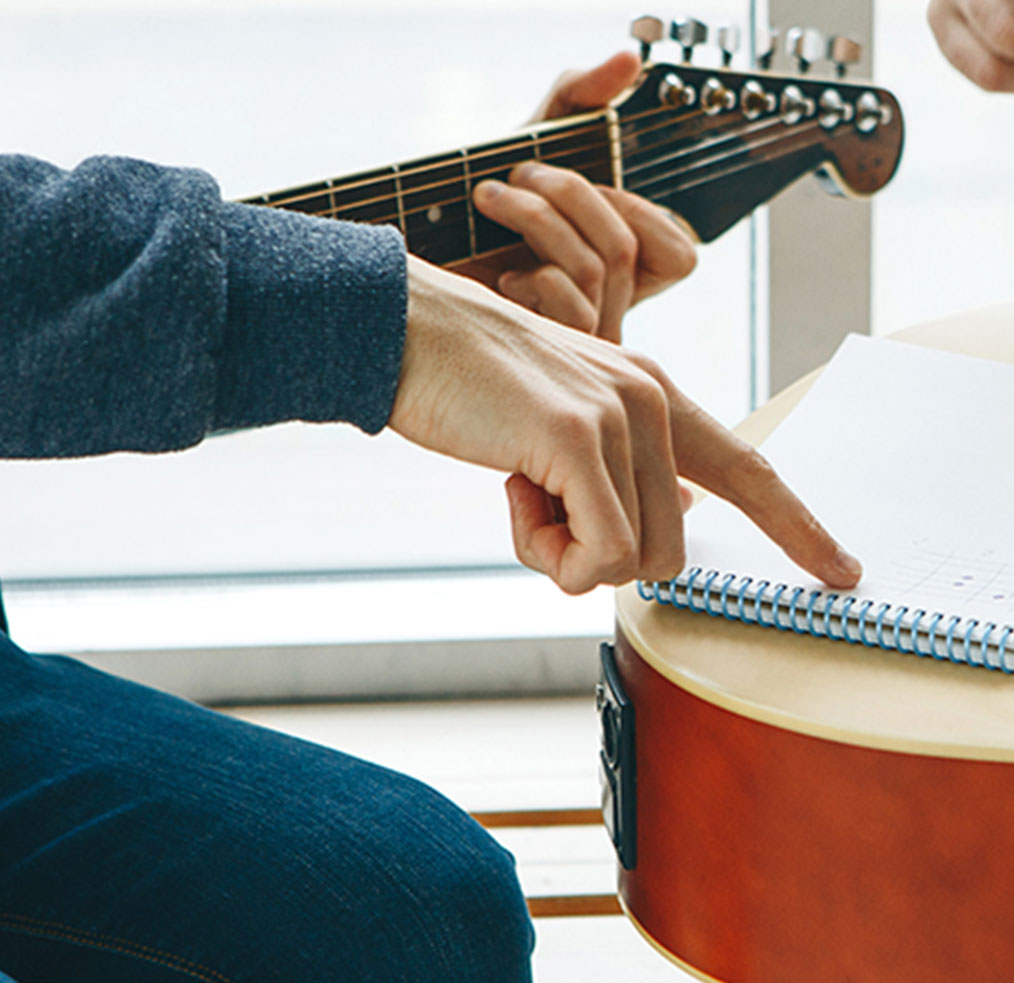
[[591, 251], [977, 37], [591, 427]]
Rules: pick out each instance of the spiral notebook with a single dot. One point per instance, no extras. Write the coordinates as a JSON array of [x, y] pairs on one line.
[[907, 455]]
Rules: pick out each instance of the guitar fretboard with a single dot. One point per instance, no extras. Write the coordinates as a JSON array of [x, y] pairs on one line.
[[430, 199]]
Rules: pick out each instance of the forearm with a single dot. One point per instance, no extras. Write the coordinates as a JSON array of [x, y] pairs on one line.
[[140, 312]]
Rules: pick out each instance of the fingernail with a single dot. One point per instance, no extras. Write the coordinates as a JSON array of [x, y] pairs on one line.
[[488, 189], [527, 170]]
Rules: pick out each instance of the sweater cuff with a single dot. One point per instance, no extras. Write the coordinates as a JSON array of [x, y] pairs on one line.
[[315, 320]]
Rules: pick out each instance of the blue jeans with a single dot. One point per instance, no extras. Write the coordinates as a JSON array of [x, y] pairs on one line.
[[149, 840]]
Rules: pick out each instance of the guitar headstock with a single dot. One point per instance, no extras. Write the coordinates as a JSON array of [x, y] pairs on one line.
[[714, 143]]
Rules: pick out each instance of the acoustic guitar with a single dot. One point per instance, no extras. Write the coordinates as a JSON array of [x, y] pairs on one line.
[[788, 809], [709, 144]]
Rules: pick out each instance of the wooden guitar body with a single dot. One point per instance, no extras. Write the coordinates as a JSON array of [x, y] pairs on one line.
[[797, 810]]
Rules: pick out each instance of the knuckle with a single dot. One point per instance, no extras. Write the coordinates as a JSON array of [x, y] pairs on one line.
[[684, 259], [583, 319], [620, 560], [754, 472], [532, 209], [625, 250], [590, 274], [664, 567]]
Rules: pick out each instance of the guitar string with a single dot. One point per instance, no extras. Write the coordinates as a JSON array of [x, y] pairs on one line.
[[639, 186], [428, 238], [522, 142], [728, 136], [745, 148]]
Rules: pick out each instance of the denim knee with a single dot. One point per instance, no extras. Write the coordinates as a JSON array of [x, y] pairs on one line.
[[136, 816]]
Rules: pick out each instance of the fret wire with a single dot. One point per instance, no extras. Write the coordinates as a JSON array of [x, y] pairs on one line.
[[560, 154], [400, 197], [468, 203], [556, 136], [697, 148], [749, 148], [728, 134], [646, 183]]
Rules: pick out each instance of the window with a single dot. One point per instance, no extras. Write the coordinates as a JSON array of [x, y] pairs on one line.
[[267, 96]]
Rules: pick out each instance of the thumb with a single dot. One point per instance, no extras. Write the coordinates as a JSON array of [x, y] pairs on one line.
[[580, 90]]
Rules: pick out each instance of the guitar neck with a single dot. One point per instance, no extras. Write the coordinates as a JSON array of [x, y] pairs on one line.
[[430, 199], [710, 144]]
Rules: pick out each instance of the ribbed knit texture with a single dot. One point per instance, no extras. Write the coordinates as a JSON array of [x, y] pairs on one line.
[[140, 312]]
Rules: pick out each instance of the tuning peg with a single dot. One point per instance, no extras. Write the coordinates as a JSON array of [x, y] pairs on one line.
[[727, 39], [688, 33], [806, 45], [765, 44], [843, 52], [647, 30]]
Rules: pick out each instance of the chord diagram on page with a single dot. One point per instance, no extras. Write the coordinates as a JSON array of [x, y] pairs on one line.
[[952, 576]]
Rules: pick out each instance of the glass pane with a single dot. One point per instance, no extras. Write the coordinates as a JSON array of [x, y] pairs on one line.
[[268, 97], [944, 229]]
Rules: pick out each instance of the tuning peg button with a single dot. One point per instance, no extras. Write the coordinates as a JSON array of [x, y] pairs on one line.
[[843, 52], [688, 33], [647, 30], [727, 39], [806, 45], [673, 91], [754, 100], [765, 45]]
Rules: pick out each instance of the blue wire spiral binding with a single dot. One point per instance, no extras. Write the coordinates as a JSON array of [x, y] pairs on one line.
[[724, 595], [729, 578], [845, 608], [1003, 650], [776, 607], [793, 601], [937, 616], [740, 601], [809, 612], [864, 610], [884, 608], [949, 639], [969, 628], [758, 604], [828, 604], [984, 644], [897, 629], [914, 633], [694, 574]]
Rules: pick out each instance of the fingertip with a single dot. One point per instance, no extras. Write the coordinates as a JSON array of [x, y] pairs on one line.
[[485, 191], [848, 569]]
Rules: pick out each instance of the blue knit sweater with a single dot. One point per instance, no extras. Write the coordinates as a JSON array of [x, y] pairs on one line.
[[138, 311]]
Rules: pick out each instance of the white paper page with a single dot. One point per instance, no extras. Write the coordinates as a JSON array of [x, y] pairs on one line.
[[907, 455]]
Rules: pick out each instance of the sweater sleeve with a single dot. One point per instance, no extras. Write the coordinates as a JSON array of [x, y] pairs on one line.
[[138, 311]]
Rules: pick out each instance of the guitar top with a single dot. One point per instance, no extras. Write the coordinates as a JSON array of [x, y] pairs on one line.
[[710, 144]]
